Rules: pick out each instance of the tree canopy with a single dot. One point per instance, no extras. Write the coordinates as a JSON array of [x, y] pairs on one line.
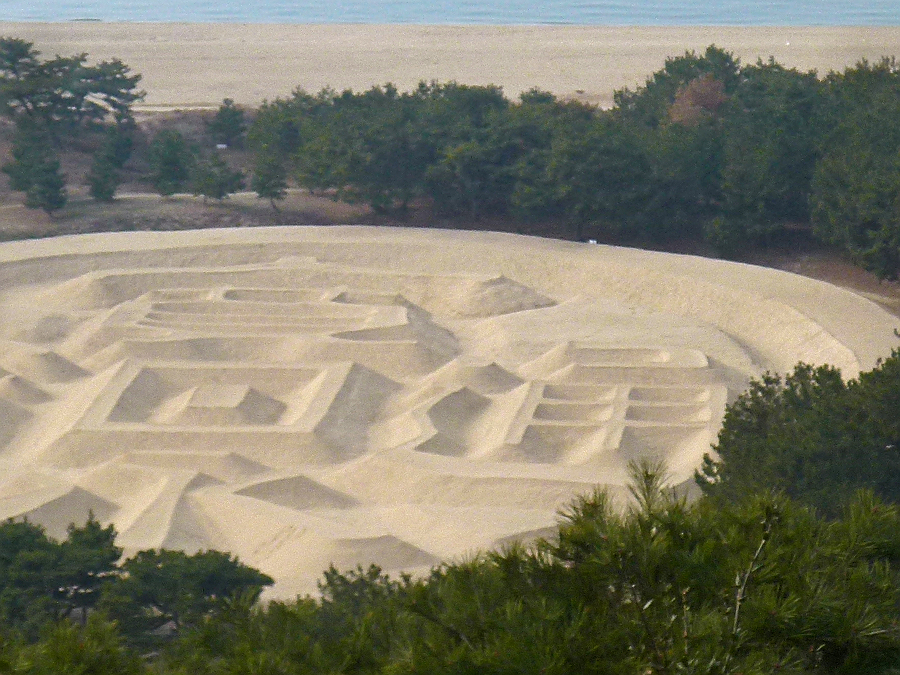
[[42, 579], [172, 160], [659, 587], [213, 178], [708, 151], [54, 103], [741, 155], [64, 92], [812, 435], [35, 168], [855, 188]]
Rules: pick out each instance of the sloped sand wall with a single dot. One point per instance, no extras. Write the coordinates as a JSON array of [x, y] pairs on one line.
[[308, 396]]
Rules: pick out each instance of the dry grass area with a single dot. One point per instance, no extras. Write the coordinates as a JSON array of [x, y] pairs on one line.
[[147, 211]]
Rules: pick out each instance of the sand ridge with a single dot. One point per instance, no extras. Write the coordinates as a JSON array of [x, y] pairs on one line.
[[306, 396]]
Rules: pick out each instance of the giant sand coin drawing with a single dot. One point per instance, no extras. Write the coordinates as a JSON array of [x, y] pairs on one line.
[[311, 396]]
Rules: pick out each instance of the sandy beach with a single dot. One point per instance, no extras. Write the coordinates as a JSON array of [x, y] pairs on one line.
[[200, 64]]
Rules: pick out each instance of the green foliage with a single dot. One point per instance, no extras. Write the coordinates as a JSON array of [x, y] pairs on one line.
[[103, 179], [274, 137], [110, 157], [246, 638], [213, 178], [856, 187], [385, 157], [48, 189], [740, 156], [42, 579], [269, 179], [503, 166], [656, 586], [63, 93], [475, 147], [603, 177], [650, 105], [377, 146], [686, 185], [171, 162], [43, 582], [7, 654], [89, 557], [55, 102], [771, 128], [277, 124], [162, 586], [475, 177], [365, 147], [812, 435], [29, 561], [31, 147], [93, 649], [228, 125], [35, 169], [118, 142]]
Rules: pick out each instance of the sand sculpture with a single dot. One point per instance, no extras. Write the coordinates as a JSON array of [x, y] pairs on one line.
[[313, 396]]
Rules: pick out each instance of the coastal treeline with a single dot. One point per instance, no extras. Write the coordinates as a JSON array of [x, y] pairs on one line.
[[709, 150], [789, 562]]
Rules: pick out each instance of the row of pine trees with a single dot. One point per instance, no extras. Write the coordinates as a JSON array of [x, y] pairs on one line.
[[708, 150]]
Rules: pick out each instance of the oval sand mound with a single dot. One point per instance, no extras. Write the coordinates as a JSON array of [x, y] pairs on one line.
[[301, 396]]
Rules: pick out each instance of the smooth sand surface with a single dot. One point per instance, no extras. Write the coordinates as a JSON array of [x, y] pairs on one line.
[[309, 396], [200, 64]]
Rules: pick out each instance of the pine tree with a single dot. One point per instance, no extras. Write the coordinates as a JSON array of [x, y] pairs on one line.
[[214, 179], [35, 169], [171, 161], [48, 188], [228, 126], [115, 150], [269, 177], [119, 141], [103, 178]]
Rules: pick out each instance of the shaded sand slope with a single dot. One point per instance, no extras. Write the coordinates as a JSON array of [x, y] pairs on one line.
[[309, 396]]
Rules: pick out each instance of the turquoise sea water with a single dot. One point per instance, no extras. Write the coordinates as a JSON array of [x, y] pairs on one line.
[[554, 12]]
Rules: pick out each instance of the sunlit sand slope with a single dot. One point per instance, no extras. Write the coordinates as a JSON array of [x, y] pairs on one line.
[[313, 396]]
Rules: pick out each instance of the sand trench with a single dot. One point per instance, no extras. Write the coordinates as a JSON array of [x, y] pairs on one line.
[[309, 396]]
